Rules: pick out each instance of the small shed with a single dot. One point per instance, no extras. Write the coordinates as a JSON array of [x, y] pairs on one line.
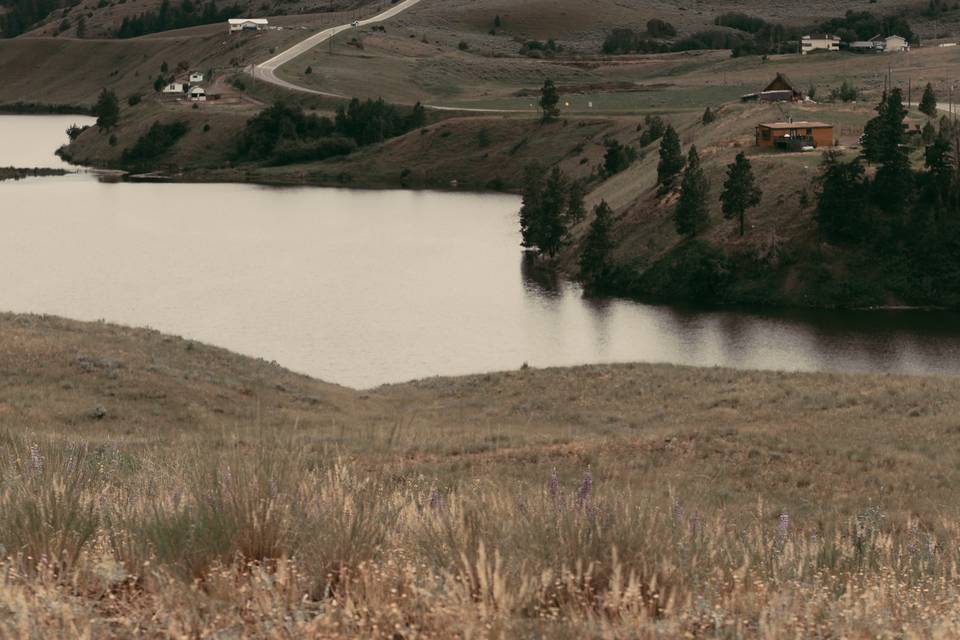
[[195, 77], [247, 24], [197, 94], [794, 135]]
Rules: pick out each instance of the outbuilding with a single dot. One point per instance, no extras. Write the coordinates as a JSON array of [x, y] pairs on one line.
[[247, 24], [794, 135], [196, 77], [779, 90], [197, 94], [175, 87]]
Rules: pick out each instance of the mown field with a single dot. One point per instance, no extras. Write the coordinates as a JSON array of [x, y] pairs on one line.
[[157, 487]]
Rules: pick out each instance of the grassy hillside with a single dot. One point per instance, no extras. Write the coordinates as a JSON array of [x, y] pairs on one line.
[[157, 486]]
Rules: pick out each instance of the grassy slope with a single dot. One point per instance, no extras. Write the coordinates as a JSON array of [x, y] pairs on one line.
[[806, 442], [195, 458]]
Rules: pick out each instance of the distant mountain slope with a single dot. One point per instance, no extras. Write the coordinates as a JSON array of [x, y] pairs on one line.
[[105, 18]]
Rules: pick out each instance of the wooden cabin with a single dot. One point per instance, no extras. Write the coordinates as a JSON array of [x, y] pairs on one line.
[[779, 90], [794, 136]]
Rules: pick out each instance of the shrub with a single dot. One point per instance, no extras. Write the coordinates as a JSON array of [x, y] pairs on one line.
[[155, 142]]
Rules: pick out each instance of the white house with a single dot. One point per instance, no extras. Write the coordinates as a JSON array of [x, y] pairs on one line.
[[195, 77], [247, 24], [197, 94], [894, 44], [174, 87], [820, 42], [881, 44]]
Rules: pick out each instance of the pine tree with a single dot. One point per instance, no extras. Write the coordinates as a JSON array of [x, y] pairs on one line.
[[708, 116], [740, 191], [671, 160], [893, 181], [928, 103], [533, 176], [841, 201], [107, 110], [595, 256], [549, 101], [552, 225], [690, 215]]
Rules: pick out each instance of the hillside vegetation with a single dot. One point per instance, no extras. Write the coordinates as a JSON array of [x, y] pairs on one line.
[[155, 486]]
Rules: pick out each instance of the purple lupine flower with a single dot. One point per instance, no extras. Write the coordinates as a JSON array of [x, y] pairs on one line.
[[435, 500], [553, 485], [783, 524], [586, 488], [678, 512], [36, 459]]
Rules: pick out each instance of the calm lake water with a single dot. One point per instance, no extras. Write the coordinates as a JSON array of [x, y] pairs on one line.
[[363, 288]]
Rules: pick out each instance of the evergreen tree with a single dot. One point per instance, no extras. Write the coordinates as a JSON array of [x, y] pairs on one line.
[[549, 101], [107, 110], [595, 257], [671, 160], [928, 103], [82, 27], [552, 224], [929, 133], [533, 178], [841, 201], [690, 215], [740, 191], [575, 207], [893, 183], [708, 116]]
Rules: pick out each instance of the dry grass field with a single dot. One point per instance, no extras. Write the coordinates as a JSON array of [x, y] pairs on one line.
[[156, 487]]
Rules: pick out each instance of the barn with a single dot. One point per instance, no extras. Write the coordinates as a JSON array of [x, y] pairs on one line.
[[779, 90]]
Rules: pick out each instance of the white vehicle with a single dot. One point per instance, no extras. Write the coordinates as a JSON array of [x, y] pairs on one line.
[[355, 24]]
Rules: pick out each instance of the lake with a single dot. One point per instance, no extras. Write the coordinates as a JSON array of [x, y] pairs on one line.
[[367, 287]]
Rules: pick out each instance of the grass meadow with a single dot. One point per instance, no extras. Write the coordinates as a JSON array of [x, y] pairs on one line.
[[155, 487], [268, 538]]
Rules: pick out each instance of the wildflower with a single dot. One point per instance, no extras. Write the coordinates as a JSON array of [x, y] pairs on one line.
[[553, 485], [586, 488], [36, 459], [783, 524]]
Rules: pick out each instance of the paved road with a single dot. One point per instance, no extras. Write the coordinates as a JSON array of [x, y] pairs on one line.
[[266, 71]]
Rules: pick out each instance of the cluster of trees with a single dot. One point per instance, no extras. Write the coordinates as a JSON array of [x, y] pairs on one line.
[[552, 203], [540, 49], [282, 133], [753, 35], [22, 15], [107, 110], [908, 218], [154, 143], [168, 16]]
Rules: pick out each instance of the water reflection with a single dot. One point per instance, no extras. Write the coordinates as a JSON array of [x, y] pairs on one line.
[[363, 287]]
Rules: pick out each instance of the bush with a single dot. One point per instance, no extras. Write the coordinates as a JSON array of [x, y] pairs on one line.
[[463, 46], [660, 29], [134, 100], [155, 142]]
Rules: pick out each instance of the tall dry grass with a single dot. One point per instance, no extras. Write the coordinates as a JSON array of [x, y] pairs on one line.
[[263, 539]]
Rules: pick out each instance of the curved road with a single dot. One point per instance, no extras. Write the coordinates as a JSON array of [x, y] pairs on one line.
[[266, 71]]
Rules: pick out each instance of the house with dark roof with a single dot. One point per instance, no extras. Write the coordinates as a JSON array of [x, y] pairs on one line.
[[779, 90]]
